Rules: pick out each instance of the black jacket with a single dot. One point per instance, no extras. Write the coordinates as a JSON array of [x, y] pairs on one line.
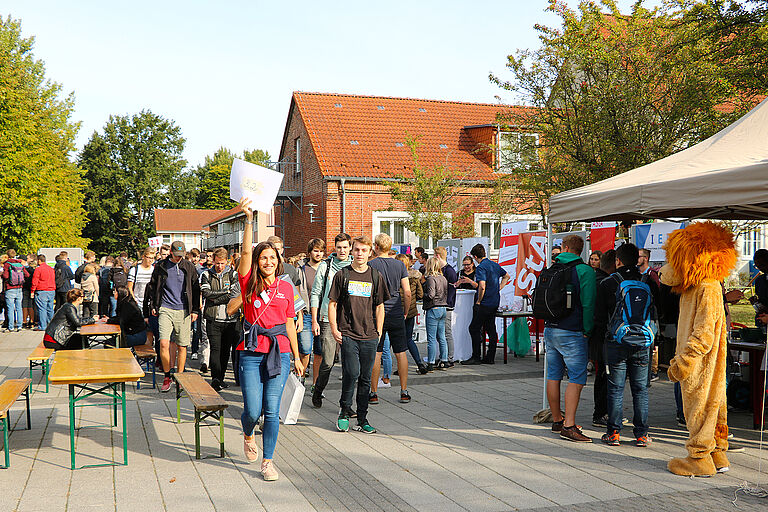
[[64, 276], [65, 322], [153, 294], [128, 317], [216, 290]]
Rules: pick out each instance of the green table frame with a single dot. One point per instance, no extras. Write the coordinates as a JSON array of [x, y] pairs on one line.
[[113, 390], [45, 364], [5, 421]]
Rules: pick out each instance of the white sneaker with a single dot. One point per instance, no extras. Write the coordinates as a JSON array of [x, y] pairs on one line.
[[194, 356], [384, 385]]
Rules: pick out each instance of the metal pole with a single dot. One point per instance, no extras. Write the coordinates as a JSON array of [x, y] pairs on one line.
[[221, 432], [72, 425], [125, 429], [544, 404]]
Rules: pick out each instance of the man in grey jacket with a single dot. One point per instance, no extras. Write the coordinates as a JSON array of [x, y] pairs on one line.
[[318, 302], [215, 286]]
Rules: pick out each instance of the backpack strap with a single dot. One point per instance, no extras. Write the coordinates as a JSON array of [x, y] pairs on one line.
[[325, 277]]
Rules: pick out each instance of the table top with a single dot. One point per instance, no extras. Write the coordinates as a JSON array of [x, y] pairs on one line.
[[514, 314], [84, 366], [745, 345], [99, 329]]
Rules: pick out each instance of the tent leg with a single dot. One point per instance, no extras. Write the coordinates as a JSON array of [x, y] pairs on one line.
[[544, 403]]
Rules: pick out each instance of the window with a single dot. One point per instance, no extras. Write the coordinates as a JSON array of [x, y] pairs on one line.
[[297, 149], [393, 224], [166, 239], [384, 227], [491, 226], [398, 235], [516, 149], [752, 242]]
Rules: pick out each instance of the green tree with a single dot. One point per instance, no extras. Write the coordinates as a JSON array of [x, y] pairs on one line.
[[611, 92], [129, 168], [213, 176], [434, 197], [41, 194]]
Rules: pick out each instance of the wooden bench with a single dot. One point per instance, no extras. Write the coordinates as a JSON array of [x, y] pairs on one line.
[[10, 391], [146, 357], [207, 403], [40, 357]]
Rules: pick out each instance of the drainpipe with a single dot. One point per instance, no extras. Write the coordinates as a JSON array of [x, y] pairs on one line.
[[343, 206]]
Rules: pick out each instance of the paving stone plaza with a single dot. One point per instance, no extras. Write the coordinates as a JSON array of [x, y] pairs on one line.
[[465, 442]]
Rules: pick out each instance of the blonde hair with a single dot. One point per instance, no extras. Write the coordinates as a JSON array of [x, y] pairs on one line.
[[90, 268], [441, 252], [432, 267], [362, 240], [383, 242], [405, 259]]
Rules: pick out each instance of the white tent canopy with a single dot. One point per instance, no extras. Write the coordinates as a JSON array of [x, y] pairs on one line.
[[723, 177]]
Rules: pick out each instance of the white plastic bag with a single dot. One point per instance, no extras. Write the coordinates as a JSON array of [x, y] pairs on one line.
[[293, 396]]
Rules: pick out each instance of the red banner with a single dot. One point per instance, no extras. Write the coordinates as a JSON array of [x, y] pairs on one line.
[[531, 259], [602, 236]]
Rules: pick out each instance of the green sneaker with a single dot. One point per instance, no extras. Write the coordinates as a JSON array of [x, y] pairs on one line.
[[365, 428], [342, 424]]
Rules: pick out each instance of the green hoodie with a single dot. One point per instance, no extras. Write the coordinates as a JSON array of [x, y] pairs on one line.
[[587, 289], [318, 297]]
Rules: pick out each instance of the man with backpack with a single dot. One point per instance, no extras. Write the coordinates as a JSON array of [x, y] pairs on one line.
[[14, 274], [90, 257], [325, 353], [565, 298], [64, 278], [105, 289], [626, 309], [356, 315]]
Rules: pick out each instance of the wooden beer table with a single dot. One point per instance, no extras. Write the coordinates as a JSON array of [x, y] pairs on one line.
[[100, 333], [109, 370]]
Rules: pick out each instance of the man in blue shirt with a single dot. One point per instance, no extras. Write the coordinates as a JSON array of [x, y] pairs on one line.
[[491, 278]]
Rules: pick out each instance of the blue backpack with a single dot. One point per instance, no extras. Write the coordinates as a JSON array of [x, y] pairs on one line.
[[634, 320]]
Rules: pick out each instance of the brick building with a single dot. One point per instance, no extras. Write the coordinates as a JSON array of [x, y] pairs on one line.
[[339, 150]]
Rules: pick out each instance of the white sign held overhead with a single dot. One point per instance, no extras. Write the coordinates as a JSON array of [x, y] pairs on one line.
[[155, 241], [255, 182]]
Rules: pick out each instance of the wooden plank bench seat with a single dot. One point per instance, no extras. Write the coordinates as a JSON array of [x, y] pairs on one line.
[[10, 391], [146, 357], [40, 357], [206, 401]]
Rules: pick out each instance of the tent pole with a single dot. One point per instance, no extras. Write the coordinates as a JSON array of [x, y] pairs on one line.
[[544, 404]]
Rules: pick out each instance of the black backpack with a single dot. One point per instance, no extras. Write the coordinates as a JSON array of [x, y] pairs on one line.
[[117, 277], [553, 295], [104, 280]]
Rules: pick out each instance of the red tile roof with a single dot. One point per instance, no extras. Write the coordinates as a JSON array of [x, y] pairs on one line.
[[224, 214], [184, 220], [363, 136]]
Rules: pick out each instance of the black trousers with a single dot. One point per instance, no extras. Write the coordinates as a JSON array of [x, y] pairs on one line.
[[601, 390], [222, 336], [483, 319], [61, 299]]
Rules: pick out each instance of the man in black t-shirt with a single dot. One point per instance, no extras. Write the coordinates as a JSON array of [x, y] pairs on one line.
[[396, 276], [356, 314]]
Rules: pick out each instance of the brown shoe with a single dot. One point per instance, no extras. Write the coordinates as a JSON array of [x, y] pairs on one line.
[[574, 434], [557, 426]]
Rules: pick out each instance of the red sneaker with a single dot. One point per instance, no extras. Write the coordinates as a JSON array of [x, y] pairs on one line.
[[166, 387]]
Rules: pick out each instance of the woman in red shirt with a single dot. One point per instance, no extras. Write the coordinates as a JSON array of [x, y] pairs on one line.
[[269, 340]]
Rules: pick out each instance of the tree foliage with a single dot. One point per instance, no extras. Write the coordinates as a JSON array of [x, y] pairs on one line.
[[130, 167], [41, 193], [433, 196], [213, 176], [610, 92]]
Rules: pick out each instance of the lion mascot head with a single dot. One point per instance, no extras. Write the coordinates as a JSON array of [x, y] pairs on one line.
[[703, 250]]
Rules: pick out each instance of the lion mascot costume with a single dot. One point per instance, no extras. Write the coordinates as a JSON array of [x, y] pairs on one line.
[[699, 258]]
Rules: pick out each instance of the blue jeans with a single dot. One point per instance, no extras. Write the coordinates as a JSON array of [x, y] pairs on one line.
[[259, 391], [386, 359], [13, 308], [410, 324], [679, 400], [112, 305], [357, 358], [622, 360], [436, 334], [566, 349], [44, 302], [306, 338], [133, 340]]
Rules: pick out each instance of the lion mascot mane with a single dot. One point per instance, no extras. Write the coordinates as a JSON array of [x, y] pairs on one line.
[[700, 257]]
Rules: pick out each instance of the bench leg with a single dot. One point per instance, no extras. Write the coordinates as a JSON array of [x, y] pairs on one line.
[[197, 434], [125, 426], [221, 432], [114, 406], [45, 370], [153, 373], [72, 425], [4, 421], [178, 403], [29, 416]]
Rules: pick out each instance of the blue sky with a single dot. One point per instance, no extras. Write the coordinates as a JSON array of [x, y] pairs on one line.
[[225, 71]]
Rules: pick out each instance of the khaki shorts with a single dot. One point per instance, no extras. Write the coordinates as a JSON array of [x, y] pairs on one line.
[[175, 325]]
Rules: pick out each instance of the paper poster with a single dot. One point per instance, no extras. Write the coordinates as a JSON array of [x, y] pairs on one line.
[[452, 249], [531, 260], [602, 236], [652, 236], [468, 243], [558, 240], [508, 261], [155, 241], [255, 182]]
